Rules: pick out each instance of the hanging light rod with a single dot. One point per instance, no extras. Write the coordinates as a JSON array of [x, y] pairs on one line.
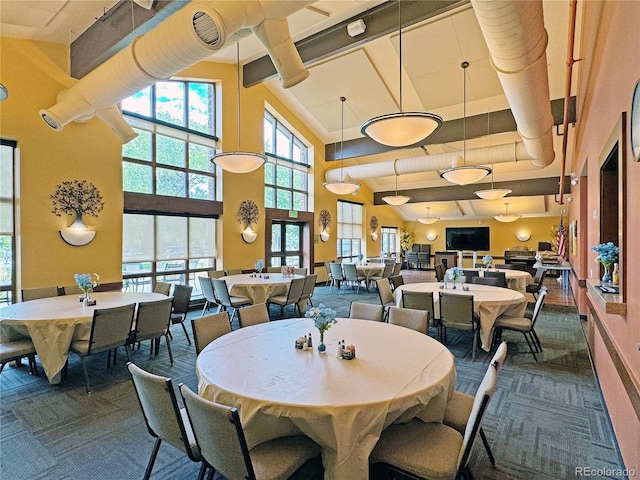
[[342, 187], [492, 193], [401, 129], [428, 220], [396, 199]]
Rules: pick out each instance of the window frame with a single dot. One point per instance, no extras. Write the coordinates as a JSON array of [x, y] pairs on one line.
[[354, 244]]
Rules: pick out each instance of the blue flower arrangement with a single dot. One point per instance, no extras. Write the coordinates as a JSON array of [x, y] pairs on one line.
[[455, 273], [607, 253], [259, 265], [486, 260], [323, 318], [86, 282]]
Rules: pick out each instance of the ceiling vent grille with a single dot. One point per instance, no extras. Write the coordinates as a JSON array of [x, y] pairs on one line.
[[206, 28]]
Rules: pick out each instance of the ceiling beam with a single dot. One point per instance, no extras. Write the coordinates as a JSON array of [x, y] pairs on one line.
[[381, 20], [115, 30], [450, 131], [520, 188]]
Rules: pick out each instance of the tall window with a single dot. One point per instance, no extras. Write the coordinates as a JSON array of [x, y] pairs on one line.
[[169, 160], [349, 230], [7, 215], [389, 239], [285, 173]]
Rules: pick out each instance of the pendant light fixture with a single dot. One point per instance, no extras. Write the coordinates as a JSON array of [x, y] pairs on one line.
[[506, 218], [396, 199], [428, 220], [403, 128], [459, 173], [239, 162], [493, 193], [342, 187]]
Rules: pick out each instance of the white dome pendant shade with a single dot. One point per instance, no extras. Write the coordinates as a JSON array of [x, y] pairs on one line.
[[396, 199], [239, 162], [428, 220], [506, 218], [401, 129], [342, 186]]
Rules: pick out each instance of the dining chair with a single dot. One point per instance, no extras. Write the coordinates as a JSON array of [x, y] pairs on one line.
[[492, 281], [420, 301], [300, 271], [17, 350], [501, 276], [227, 301], [538, 280], [397, 267], [439, 271], [165, 420], [396, 281], [153, 320], [291, 298], [503, 266], [386, 295], [366, 311], [433, 450], [308, 288], [162, 287], [253, 315], [327, 267], [71, 290], [274, 269], [386, 273], [456, 311], [35, 293], [215, 273], [110, 329], [417, 320], [220, 436], [337, 275], [206, 285], [523, 325], [469, 274], [206, 329], [351, 275], [460, 404], [522, 266], [233, 271], [181, 300]]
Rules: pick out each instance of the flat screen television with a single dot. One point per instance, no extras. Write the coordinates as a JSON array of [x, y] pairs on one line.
[[468, 238]]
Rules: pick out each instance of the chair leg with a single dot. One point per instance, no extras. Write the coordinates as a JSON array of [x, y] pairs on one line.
[[530, 346], [168, 348], [202, 471], [535, 335], [86, 374], [205, 308], [185, 332], [487, 447], [32, 365], [152, 460]]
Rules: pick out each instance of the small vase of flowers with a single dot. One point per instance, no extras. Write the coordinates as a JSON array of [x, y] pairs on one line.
[[607, 256], [259, 266], [87, 282], [323, 318], [454, 274], [486, 261]]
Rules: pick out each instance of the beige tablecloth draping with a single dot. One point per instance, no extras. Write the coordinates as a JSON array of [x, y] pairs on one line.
[[343, 405], [257, 288], [370, 270], [488, 303], [54, 322], [516, 279]]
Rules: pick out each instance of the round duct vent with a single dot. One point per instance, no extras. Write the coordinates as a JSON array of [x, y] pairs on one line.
[[206, 28]]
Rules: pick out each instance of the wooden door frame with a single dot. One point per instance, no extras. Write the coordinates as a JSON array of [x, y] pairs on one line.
[[306, 220]]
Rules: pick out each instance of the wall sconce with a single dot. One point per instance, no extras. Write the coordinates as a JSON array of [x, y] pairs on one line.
[[373, 225], [324, 236], [248, 235], [523, 237], [374, 236], [77, 234], [324, 221], [77, 197], [248, 214], [432, 236]]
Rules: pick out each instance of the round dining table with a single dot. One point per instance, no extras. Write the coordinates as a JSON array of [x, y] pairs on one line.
[[343, 405], [370, 270], [54, 322], [516, 279], [259, 287], [488, 302]]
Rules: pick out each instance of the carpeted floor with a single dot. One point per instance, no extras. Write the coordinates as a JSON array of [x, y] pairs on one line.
[[546, 418]]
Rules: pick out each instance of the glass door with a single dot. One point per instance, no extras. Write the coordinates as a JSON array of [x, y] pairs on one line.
[[286, 244]]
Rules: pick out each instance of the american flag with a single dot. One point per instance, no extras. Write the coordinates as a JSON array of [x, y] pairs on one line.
[[561, 241]]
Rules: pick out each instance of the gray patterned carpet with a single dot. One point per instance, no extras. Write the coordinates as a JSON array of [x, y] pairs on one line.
[[546, 418]]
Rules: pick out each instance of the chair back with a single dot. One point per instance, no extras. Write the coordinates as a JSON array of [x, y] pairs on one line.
[[456, 311], [522, 266], [350, 272], [295, 290], [309, 286], [110, 328], [233, 271], [384, 291], [418, 301], [396, 281], [539, 277], [206, 329], [215, 273], [274, 269], [160, 409], [503, 266], [469, 274], [388, 270], [35, 293], [181, 298], [499, 356], [162, 287], [396, 269], [71, 290], [206, 286], [480, 403], [501, 276], [221, 291], [152, 320], [336, 271], [219, 434], [417, 320], [253, 314], [439, 270], [366, 311], [327, 267], [300, 271], [492, 281], [538, 305]]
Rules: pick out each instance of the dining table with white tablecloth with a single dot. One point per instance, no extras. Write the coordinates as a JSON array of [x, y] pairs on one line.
[[488, 302], [343, 405], [54, 322], [516, 279], [259, 287]]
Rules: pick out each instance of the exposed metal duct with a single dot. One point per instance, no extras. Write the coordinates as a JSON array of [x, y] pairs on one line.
[[509, 152], [190, 35], [517, 41]]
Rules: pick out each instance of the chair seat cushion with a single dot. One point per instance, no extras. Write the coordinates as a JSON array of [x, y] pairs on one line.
[[533, 288], [428, 450], [280, 458], [458, 410], [514, 323], [278, 299], [15, 349], [195, 450], [239, 301], [177, 318]]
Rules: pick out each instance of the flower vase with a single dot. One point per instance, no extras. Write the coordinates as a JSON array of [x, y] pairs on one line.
[[454, 284], [606, 278], [86, 299], [321, 346]]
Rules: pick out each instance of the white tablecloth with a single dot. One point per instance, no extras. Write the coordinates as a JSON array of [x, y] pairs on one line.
[[488, 303], [343, 405], [257, 288], [516, 279], [54, 322]]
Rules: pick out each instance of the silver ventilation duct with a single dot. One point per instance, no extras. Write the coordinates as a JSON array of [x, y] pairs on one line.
[[187, 37]]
